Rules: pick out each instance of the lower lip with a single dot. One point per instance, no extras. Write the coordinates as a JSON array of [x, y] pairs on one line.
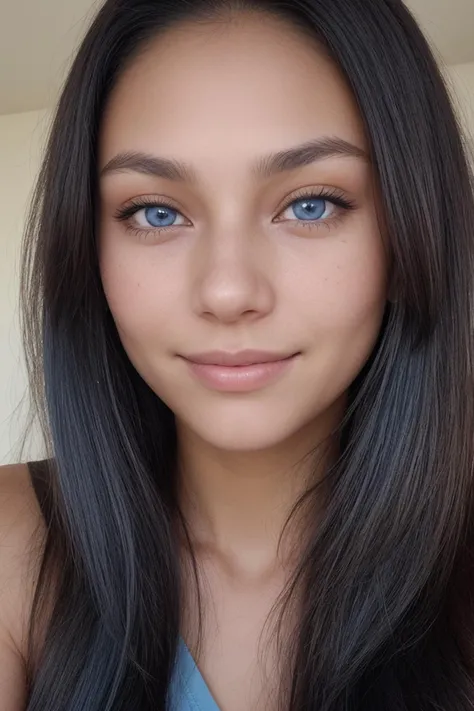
[[240, 378]]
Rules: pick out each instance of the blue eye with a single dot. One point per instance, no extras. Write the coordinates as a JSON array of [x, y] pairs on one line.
[[156, 216], [309, 208]]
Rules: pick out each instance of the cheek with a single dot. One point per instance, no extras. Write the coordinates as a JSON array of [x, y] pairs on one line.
[[346, 282], [342, 298], [356, 293], [142, 294]]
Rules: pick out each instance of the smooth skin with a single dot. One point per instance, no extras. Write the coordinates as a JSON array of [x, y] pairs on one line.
[[238, 267]]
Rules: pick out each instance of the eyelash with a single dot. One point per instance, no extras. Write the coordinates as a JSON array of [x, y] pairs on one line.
[[331, 195]]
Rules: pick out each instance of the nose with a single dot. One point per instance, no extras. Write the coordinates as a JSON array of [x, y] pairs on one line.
[[233, 279]]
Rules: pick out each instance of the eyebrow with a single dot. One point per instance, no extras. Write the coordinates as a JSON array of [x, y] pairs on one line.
[[265, 167]]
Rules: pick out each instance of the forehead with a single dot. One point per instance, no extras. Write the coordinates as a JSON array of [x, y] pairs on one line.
[[229, 91]]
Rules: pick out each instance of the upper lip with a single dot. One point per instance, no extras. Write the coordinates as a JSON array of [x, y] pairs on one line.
[[247, 357]]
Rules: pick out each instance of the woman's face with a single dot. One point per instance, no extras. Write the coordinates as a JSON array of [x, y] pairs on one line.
[[247, 260]]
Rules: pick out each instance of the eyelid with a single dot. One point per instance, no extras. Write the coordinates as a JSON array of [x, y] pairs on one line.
[[322, 192], [131, 207], [328, 193]]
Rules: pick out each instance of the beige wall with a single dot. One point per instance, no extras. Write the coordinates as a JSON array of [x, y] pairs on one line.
[[461, 79], [21, 141]]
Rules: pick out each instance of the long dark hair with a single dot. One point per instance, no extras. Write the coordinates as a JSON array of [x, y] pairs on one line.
[[386, 618]]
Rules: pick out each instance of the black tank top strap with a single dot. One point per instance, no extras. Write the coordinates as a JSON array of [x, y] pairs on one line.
[[41, 481]]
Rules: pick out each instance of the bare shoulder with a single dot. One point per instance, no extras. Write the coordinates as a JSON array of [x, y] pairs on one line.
[[22, 531]]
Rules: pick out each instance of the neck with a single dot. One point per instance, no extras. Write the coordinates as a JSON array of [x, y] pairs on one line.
[[237, 503]]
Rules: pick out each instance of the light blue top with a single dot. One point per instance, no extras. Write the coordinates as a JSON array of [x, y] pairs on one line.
[[188, 690]]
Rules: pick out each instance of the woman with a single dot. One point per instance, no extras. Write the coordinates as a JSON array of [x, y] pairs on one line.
[[247, 289]]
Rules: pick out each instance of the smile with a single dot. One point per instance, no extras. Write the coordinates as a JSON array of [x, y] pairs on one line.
[[244, 377]]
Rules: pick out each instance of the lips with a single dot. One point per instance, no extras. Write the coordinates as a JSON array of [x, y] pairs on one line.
[[241, 358], [241, 372]]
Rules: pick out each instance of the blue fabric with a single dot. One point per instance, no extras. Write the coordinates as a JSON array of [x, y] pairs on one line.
[[188, 690]]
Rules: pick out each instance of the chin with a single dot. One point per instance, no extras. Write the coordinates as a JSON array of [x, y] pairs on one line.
[[249, 434]]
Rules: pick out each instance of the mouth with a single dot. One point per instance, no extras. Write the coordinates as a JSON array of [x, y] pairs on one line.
[[239, 372], [240, 358]]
